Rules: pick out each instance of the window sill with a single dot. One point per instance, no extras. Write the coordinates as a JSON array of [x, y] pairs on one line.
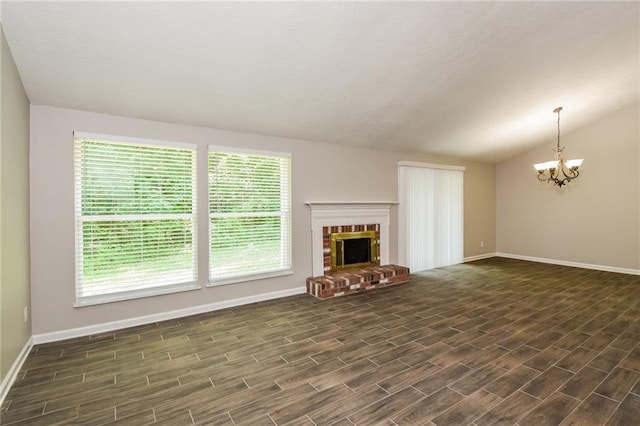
[[246, 278], [136, 294]]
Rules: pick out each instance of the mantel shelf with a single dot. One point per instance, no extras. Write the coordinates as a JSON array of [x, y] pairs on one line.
[[349, 204]]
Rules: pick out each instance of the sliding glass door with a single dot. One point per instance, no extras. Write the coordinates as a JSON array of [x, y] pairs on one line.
[[430, 215]]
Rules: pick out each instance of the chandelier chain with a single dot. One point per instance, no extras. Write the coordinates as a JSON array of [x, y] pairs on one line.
[[559, 128]]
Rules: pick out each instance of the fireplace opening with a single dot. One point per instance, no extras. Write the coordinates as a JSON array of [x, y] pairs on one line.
[[356, 250], [353, 250]]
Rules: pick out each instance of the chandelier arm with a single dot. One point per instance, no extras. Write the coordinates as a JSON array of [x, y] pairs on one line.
[[542, 178], [569, 173], [572, 176]]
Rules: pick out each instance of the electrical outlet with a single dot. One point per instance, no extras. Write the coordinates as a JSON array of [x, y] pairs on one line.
[[481, 243], [26, 314]]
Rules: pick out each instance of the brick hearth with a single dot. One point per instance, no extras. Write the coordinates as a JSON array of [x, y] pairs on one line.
[[356, 280]]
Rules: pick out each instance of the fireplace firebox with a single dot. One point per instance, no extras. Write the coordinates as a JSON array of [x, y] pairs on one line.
[[354, 250]]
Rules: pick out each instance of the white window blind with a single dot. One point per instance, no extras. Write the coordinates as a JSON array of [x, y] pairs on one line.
[[431, 201], [249, 214], [135, 218]]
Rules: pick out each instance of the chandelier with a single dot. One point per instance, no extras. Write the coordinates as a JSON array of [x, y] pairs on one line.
[[558, 171]]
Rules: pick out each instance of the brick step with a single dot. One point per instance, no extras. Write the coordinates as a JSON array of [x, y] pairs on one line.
[[356, 280]]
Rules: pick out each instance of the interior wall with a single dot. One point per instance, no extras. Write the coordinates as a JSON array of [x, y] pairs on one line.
[[593, 220], [14, 216], [479, 210], [320, 172]]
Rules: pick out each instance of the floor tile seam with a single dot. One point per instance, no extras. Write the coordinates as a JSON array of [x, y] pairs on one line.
[[564, 369], [539, 403], [531, 395], [594, 393], [270, 418], [383, 389], [479, 347], [613, 411], [154, 394], [608, 397], [485, 411], [500, 396], [377, 365], [43, 414], [47, 392], [345, 418], [193, 421], [601, 370], [610, 373], [163, 403], [340, 398], [256, 346], [521, 386], [467, 373], [245, 403], [451, 389]]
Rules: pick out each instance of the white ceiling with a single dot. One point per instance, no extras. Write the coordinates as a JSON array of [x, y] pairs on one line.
[[473, 79]]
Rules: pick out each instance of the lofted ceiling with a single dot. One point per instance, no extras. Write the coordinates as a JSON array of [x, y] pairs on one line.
[[477, 80]]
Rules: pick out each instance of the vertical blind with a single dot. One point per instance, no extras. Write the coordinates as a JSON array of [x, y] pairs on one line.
[[135, 217], [249, 214], [433, 216]]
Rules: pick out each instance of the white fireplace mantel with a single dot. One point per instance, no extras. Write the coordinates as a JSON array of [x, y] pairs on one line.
[[339, 213], [324, 205]]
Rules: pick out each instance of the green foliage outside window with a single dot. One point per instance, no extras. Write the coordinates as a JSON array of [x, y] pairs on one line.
[[249, 212], [120, 180]]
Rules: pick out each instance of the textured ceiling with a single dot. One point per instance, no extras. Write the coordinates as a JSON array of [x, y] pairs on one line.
[[473, 79]]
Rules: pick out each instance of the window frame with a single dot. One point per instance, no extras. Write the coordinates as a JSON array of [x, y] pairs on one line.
[[79, 219], [240, 278]]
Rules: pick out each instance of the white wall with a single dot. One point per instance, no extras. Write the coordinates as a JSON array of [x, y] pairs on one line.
[[14, 214], [595, 220], [320, 172]]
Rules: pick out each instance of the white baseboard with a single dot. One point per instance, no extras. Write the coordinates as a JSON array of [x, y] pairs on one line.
[[15, 368], [478, 257], [572, 264], [163, 316]]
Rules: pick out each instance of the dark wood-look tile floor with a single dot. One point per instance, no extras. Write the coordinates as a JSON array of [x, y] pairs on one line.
[[491, 342]]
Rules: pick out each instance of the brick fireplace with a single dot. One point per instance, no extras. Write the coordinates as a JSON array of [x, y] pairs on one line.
[[369, 221]]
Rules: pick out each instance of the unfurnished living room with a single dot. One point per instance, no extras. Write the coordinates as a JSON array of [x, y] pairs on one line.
[[320, 213]]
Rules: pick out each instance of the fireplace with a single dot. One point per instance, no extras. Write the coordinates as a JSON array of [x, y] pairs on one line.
[[334, 217], [354, 249], [350, 248]]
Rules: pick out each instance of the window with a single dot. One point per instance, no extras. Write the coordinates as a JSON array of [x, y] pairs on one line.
[[249, 215], [431, 215], [135, 218]]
